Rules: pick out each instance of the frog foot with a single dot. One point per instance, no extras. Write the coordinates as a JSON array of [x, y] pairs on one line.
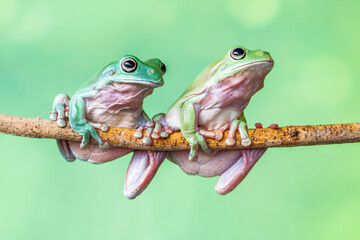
[[87, 130], [60, 109], [237, 125], [195, 140], [101, 126], [230, 140], [155, 129], [217, 134]]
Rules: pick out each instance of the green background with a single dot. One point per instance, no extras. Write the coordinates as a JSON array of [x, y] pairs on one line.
[[51, 47]]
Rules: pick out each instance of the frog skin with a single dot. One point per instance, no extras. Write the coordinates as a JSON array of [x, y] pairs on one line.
[[214, 102], [113, 98]]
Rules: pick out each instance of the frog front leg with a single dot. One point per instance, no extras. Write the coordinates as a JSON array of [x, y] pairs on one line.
[[79, 123], [59, 113], [189, 127]]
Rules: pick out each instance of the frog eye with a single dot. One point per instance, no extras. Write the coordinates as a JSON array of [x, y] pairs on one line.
[[163, 68], [237, 53], [129, 65]]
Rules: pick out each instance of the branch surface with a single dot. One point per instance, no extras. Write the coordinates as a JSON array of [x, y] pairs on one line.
[[123, 137]]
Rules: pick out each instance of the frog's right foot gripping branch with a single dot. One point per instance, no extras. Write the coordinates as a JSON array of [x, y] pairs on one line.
[[60, 109]]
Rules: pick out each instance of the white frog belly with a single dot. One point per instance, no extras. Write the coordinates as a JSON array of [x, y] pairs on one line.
[[124, 119]]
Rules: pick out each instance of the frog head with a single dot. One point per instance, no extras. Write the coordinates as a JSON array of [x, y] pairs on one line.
[[241, 69], [131, 70], [241, 61]]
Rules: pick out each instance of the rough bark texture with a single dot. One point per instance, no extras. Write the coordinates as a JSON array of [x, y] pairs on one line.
[[123, 137]]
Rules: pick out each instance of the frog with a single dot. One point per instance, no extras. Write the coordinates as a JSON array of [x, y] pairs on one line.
[[113, 98], [214, 102]]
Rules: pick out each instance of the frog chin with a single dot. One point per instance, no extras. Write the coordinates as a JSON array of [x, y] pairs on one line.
[[250, 77]]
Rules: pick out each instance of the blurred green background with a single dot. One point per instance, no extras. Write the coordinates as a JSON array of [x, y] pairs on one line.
[[51, 47]]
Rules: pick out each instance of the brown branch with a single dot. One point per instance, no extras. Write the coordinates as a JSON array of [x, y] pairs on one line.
[[123, 137]]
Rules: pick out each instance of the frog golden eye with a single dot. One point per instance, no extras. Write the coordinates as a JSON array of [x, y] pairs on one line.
[[237, 53], [129, 65], [163, 68]]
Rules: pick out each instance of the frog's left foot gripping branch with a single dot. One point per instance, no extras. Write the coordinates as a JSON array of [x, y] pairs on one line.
[[137, 180]]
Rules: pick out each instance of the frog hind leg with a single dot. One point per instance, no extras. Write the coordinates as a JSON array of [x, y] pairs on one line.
[[65, 150], [142, 168], [237, 172]]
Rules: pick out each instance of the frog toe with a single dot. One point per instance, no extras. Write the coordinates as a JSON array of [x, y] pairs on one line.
[[104, 145], [84, 145], [156, 134], [230, 141], [53, 116], [104, 128], [147, 141], [61, 122], [201, 141], [139, 132], [246, 142], [193, 152], [164, 134]]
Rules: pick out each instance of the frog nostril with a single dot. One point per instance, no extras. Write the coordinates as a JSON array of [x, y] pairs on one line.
[[261, 52]]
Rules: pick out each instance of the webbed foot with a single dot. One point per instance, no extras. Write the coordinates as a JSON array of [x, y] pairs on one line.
[[87, 130], [195, 140], [60, 109]]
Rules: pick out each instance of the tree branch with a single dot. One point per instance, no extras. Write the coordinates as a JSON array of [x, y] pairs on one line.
[[123, 137]]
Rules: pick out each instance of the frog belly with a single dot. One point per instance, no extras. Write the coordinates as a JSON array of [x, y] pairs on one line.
[[209, 118], [94, 154], [123, 119], [206, 165]]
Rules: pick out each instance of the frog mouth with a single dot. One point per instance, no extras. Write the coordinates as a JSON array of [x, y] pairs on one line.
[[268, 64], [140, 82]]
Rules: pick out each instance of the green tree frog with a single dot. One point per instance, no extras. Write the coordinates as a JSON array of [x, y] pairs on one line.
[[113, 98], [214, 102]]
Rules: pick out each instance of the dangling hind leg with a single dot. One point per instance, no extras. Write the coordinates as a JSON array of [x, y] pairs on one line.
[[237, 172]]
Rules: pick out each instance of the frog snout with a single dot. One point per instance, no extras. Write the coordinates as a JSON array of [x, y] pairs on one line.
[[156, 64], [263, 54]]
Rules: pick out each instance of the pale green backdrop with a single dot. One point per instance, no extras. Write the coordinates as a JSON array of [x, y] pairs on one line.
[[50, 47]]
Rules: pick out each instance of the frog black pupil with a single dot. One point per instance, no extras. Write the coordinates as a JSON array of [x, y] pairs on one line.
[[129, 64], [238, 52]]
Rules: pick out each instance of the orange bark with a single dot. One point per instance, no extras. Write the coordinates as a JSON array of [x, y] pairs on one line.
[[123, 137]]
